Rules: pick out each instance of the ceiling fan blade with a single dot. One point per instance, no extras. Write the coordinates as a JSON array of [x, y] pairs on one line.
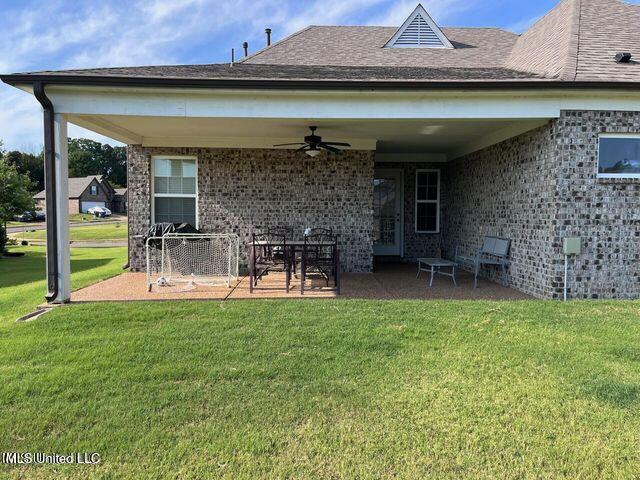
[[338, 144], [289, 144], [329, 147], [302, 149]]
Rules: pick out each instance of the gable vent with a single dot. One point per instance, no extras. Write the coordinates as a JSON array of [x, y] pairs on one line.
[[419, 31]]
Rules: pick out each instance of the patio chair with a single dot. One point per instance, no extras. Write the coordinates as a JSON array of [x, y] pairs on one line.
[[269, 254], [494, 251], [320, 254]]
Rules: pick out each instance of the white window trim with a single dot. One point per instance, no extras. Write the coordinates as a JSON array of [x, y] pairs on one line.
[[416, 202], [172, 195], [91, 188], [614, 175]]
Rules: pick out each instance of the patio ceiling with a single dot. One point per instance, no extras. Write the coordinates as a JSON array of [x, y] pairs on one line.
[[446, 136], [445, 123]]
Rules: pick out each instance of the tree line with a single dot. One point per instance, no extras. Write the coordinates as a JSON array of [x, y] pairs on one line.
[[86, 157]]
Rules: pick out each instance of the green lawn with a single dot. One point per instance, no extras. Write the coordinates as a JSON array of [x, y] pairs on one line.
[[22, 279], [78, 218], [110, 231], [323, 389]]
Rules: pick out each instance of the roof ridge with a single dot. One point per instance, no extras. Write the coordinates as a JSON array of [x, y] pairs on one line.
[[570, 69]]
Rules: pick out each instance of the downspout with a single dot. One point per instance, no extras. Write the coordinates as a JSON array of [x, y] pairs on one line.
[[50, 192]]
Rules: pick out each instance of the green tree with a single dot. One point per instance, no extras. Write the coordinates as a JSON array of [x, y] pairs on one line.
[[29, 164], [16, 196], [88, 157]]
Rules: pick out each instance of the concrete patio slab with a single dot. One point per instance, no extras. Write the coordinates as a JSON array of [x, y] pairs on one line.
[[388, 282]]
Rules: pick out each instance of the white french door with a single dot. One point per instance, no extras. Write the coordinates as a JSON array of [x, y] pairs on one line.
[[387, 212]]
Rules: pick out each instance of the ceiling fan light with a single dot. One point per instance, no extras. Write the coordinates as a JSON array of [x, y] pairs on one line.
[[312, 152]]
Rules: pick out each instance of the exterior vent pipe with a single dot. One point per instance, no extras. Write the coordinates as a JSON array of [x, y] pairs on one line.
[[233, 57], [245, 46], [268, 32]]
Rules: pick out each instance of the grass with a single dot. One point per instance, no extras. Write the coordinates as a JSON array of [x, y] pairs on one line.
[[322, 389], [22, 279], [78, 218], [106, 232]]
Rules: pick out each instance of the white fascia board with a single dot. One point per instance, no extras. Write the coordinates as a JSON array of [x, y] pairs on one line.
[[466, 104], [296, 104]]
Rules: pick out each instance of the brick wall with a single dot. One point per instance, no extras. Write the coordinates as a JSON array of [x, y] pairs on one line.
[[604, 212], [507, 190], [541, 187], [249, 190]]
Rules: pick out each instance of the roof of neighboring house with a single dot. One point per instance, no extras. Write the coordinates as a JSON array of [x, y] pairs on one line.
[[76, 186], [575, 42], [121, 191]]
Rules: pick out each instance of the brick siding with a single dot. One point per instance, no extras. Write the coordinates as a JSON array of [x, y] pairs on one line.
[[244, 191]]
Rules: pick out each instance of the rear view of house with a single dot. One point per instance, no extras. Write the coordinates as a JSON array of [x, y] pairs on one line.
[[453, 134]]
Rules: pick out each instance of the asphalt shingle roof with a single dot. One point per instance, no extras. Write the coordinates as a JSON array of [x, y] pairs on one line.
[[247, 71], [76, 186], [576, 41]]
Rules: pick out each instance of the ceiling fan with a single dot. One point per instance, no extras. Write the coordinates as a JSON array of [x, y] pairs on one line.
[[313, 144]]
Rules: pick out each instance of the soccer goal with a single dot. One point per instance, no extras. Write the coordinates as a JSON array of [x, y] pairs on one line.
[[192, 259]]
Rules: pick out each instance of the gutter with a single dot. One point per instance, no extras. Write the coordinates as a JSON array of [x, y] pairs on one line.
[[270, 84], [50, 192]]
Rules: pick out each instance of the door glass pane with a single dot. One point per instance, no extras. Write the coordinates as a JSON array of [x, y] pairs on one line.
[[384, 211]]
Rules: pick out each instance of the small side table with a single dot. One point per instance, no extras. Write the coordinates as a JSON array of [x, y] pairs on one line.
[[435, 265]]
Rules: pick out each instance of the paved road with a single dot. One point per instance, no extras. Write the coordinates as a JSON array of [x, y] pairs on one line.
[[87, 244], [42, 226]]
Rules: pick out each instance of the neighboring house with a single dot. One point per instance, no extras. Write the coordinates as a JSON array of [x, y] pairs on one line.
[[90, 191], [119, 202], [455, 133], [84, 193]]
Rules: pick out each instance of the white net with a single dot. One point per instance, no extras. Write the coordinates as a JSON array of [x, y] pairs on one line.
[[192, 259]]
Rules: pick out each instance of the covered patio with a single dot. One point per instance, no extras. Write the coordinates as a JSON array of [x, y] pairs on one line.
[[451, 183], [389, 281]]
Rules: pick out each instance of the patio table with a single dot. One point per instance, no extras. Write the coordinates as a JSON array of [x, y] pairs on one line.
[[294, 246], [435, 265]]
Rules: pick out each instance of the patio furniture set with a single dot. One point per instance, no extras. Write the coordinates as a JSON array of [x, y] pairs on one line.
[[494, 251], [277, 251]]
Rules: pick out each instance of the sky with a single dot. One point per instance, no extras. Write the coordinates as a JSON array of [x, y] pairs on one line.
[[69, 34]]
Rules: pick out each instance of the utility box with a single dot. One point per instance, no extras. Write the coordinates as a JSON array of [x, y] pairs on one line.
[[572, 246]]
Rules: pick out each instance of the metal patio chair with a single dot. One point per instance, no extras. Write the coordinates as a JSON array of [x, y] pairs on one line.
[[269, 254], [494, 251], [320, 254]]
